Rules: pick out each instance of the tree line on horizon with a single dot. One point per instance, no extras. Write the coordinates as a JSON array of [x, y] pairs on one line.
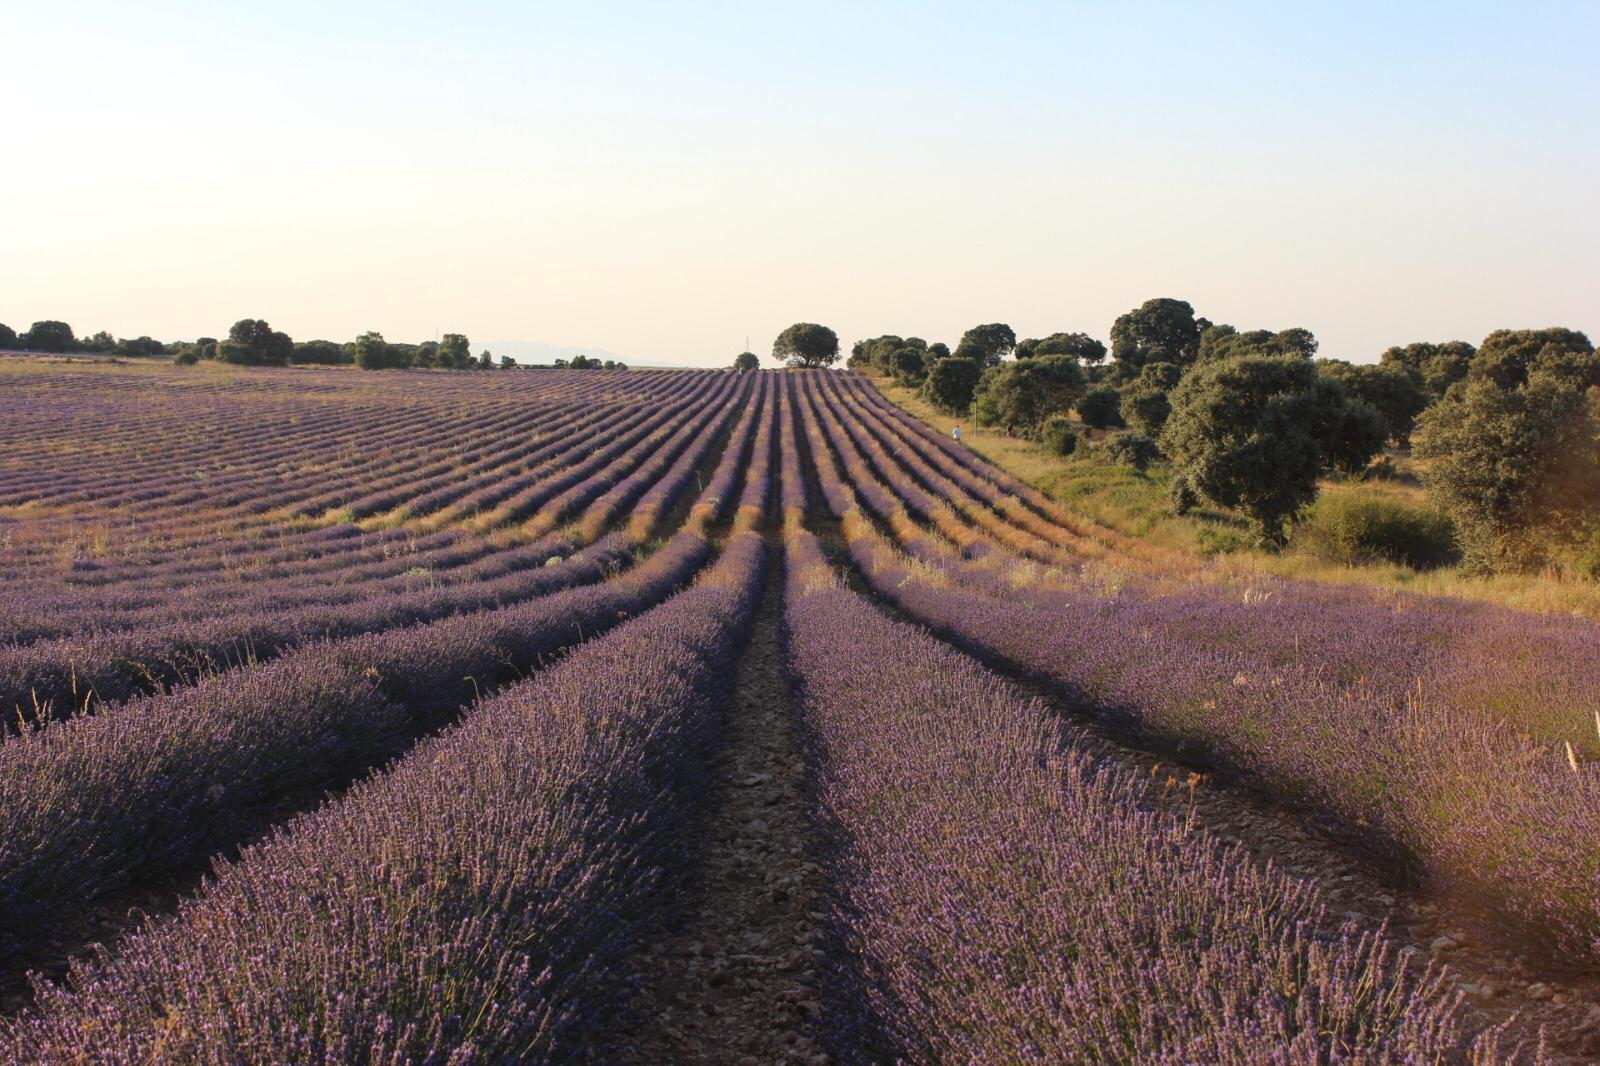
[[1251, 420], [253, 342]]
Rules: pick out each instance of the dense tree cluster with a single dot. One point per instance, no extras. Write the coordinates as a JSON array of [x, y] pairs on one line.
[[1386, 388], [252, 342], [98, 343], [139, 347], [1515, 450], [1018, 396], [319, 353], [1225, 342], [906, 359], [55, 337], [1433, 367], [1252, 419], [372, 352], [589, 362]]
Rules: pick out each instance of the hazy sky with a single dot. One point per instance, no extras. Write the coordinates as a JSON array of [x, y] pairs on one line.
[[662, 179]]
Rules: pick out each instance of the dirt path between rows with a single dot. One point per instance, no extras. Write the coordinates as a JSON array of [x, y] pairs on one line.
[[736, 982]]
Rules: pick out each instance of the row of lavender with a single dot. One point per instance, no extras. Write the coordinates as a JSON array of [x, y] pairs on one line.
[[201, 571], [340, 554], [209, 565], [117, 435], [113, 665], [95, 803], [540, 453], [469, 905], [1453, 738], [257, 457], [999, 897]]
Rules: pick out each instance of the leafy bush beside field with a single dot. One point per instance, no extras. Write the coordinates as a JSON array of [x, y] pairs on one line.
[[1354, 528]]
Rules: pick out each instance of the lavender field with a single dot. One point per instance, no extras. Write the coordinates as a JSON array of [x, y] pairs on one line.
[[710, 716]]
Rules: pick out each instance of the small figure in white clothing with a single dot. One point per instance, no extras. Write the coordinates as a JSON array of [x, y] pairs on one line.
[[956, 433]]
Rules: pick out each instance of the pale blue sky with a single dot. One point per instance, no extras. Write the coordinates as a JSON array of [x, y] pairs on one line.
[[662, 179]]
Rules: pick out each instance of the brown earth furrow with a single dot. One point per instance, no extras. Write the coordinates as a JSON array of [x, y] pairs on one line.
[[736, 981]]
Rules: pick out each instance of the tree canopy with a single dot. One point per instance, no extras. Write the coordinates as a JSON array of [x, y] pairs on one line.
[[8, 337], [1101, 408], [1434, 367], [1226, 342], [139, 347], [1080, 346], [1386, 388], [1256, 432], [49, 336], [881, 353], [909, 364], [806, 344], [950, 384], [252, 342], [455, 352], [1508, 357], [372, 352], [1162, 330], [987, 345], [1144, 400], [1515, 450], [746, 361], [1020, 395], [319, 353]]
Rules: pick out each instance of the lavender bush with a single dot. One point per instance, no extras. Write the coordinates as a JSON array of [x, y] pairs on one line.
[[463, 907]]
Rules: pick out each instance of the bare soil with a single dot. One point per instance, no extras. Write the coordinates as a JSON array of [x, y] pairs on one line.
[[736, 982]]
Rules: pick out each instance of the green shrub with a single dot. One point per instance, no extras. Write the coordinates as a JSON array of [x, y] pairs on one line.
[[1586, 561], [1058, 435], [1133, 449], [1219, 540], [1354, 528], [1101, 408]]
